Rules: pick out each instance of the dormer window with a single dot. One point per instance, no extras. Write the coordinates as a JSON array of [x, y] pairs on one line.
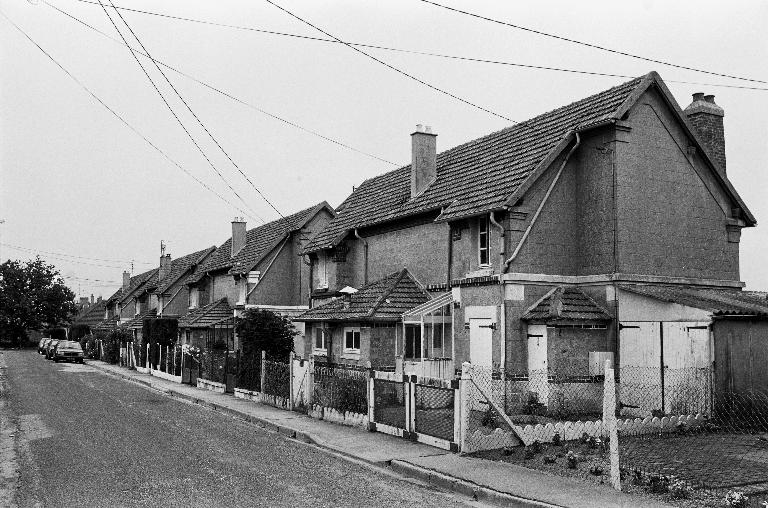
[[484, 242]]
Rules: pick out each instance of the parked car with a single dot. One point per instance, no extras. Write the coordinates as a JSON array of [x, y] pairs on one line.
[[43, 345], [68, 350], [50, 348]]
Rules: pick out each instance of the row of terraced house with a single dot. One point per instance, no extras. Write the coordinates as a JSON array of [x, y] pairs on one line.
[[605, 230]]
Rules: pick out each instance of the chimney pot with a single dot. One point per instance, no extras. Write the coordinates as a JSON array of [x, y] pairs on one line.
[[91, 298], [709, 98], [423, 159], [698, 96]]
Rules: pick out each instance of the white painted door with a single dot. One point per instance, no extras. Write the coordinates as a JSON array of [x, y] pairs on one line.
[[687, 382], [481, 343], [640, 367], [538, 371]]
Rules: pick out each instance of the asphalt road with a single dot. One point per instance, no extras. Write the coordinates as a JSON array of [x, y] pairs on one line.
[[83, 438]]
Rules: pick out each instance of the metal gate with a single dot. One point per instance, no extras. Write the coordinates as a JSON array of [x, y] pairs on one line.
[[389, 405], [435, 410]]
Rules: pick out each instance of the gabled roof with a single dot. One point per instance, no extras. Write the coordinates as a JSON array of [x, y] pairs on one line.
[[566, 304], [137, 282], [482, 175], [107, 324], [93, 315], [208, 315], [138, 321], [383, 300], [259, 242], [181, 269], [720, 302]]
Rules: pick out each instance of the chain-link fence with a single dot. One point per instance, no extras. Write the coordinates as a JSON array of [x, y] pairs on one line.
[[276, 379], [435, 410], [389, 403], [212, 365], [674, 427], [341, 387], [249, 372]]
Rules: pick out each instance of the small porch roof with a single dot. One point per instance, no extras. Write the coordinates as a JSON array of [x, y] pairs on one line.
[[414, 315], [565, 304]]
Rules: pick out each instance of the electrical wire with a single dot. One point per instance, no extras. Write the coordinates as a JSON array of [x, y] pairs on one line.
[[383, 48], [392, 67], [19, 247], [62, 259], [122, 120], [218, 89], [187, 105], [184, 127], [587, 44]]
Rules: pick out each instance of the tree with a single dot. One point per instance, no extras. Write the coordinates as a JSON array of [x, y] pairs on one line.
[[33, 296], [263, 330]]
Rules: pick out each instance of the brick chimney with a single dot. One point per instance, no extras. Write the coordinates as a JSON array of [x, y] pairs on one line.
[[91, 298], [238, 235], [165, 267], [126, 280], [707, 119], [423, 159]]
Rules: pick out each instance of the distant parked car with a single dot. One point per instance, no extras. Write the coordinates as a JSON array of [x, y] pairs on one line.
[[68, 351], [43, 344], [50, 348]]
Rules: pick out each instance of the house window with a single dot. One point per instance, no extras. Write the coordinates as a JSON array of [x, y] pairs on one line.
[[484, 242], [352, 340], [321, 340], [412, 341], [437, 337]]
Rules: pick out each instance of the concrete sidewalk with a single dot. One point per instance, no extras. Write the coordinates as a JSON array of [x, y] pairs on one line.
[[493, 482]]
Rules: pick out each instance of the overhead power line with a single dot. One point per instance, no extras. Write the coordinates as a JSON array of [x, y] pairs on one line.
[[178, 120], [218, 89], [189, 108], [63, 259], [63, 254], [84, 279], [590, 45], [122, 120], [374, 46], [392, 67]]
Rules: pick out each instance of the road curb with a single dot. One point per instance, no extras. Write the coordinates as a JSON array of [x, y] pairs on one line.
[[464, 487], [431, 477]]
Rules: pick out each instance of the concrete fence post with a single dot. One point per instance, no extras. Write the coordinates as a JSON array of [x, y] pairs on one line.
[[609, 423], [310, 380], [263, 369], [464, 388], [371, 400], [290, 381]]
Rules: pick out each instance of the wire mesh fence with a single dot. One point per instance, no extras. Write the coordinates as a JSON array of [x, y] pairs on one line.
[[276, 379], [684, 431], [435, 411], [341, 387], [249, 372], [389, 403], [212, 365]]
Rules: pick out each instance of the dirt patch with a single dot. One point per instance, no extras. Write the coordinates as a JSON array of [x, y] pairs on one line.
[[9, 465]]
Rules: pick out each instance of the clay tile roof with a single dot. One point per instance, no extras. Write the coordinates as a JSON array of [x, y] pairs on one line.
[[206, 316], [564, 304], [259, 242], [93, 315], [720, 302], [107, 324], [181, 269], [137, 282], [138, 321], [383, 300], [475, 177]]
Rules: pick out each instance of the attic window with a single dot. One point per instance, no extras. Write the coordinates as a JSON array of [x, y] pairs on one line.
[[483, 242]]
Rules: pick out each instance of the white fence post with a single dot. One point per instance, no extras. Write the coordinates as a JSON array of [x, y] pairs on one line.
[[310, 381], [466, 376], [371, 400], [263, 370], [609, 423], [290, 381], [147, 363]]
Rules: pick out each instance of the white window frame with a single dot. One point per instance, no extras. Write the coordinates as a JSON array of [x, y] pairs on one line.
[[324, 341], [322, 271], [484, 221], [353, 330]]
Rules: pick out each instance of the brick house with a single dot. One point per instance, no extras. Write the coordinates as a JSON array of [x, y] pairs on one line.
[[257, 268], [527, 235]]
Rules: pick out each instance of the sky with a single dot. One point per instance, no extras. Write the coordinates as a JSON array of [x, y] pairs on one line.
[[91, 196]]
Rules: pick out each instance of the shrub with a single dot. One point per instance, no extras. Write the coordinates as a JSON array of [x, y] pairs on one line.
[[110, 345], [680, 490], [596, 470], [263, 330], [572, 460], [556, 439], [736, 499], [658, 484], [77, 332]]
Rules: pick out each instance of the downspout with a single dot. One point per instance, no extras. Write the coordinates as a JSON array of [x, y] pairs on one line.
[[365, 256], [311, 274], [502, 306], [541, 205], [450, 256]]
